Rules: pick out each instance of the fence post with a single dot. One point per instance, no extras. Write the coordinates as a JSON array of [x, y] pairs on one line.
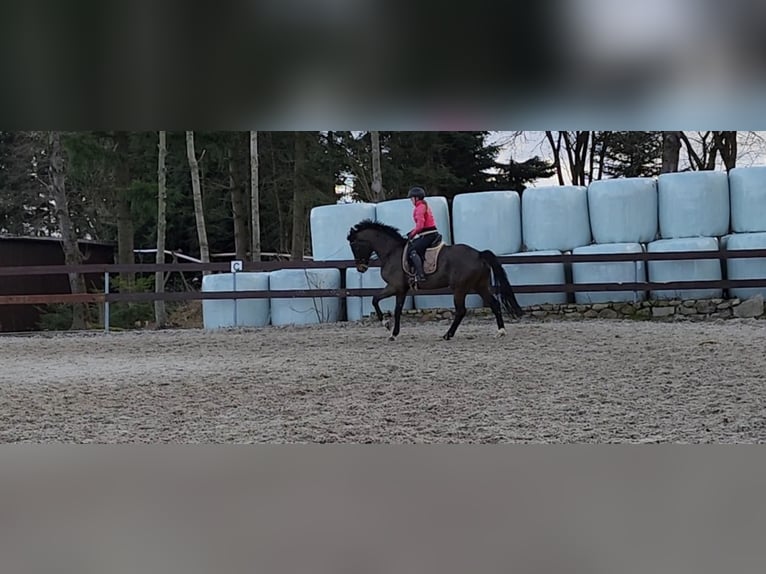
[[236, 267], [106, 302]]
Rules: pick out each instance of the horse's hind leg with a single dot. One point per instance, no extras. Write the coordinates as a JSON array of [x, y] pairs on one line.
[[494, 304], [459, 314]]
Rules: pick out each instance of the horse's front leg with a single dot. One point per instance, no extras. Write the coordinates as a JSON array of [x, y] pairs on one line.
[[377, 298], [400, 297]]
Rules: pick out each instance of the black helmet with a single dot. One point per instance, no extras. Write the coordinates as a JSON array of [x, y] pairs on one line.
[[418, 192]]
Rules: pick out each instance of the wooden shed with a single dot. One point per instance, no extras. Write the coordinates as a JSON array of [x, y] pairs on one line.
[[22, 251]]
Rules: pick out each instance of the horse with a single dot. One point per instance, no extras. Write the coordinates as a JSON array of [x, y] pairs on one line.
[[460, 267]]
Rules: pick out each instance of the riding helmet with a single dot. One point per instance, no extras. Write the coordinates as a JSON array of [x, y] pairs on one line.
[[418, 192]]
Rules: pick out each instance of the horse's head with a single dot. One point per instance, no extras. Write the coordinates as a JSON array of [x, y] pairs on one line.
[[368, 237], [361, 248]]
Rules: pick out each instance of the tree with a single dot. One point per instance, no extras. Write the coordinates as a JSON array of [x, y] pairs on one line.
[[25, 207], [160, 317], [515, 175], [555, 143], [125, 233], [704, 148], [69, 243], [580, 149], [199, 213], [239, 211], [632, 153], [297, 245], [444, 163], [377, 179], [671, 149], [255, 209]]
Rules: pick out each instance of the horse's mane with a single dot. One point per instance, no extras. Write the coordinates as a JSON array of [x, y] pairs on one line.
[[389, 230]]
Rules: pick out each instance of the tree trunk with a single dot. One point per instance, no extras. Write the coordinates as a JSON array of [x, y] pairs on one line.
[[377, 178], [160, 317], [281, 216], [199, 214], [238, 212], [605, 138], [577, 152], [72, 255], [298, 238], [556, 147], [125, 235], [726, 144], [255, 200], [671, 150], [696, 162]]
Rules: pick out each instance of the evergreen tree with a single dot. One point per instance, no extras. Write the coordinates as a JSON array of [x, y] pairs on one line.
[[516, 175], [632, 154]]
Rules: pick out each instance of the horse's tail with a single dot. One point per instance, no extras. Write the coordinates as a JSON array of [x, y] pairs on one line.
[[504, 289]]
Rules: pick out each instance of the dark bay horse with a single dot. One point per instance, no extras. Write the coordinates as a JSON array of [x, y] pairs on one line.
[[460, 267]]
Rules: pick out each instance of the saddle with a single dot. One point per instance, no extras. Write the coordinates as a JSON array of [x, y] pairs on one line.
[[429, 261]]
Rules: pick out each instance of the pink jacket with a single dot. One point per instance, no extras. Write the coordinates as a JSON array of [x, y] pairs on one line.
[[423, 217]]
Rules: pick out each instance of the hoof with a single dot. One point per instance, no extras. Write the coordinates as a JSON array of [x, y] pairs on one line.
[[386, 324], [501, 332], [446, 336], [391, 338]]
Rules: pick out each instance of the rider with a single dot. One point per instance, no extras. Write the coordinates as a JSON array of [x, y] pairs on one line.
[[423, 234]]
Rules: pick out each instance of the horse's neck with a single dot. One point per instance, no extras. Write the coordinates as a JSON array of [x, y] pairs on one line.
[[386, 247]]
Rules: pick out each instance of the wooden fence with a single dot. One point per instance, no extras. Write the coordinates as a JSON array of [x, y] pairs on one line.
[[112, 297]]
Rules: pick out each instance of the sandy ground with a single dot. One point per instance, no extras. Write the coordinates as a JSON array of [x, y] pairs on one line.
[[553, 382]]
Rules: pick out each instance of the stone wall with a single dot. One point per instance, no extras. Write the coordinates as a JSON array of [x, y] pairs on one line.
[[692, 310]]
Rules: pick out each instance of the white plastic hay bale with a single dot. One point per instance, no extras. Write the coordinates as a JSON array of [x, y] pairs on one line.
[[435, 302], [693, 204], [329, 228], [304, 310], [353, 304], [623, 210], [488, 220], [684, 270], [555, 217], [752, 268], [724, 240], [219, 313], [537, 274], [747, 187], [608, 272], [398, 213]]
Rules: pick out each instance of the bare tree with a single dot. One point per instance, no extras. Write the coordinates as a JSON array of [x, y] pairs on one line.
[[160, 317], [199, 214], [72, 255], [555, 144], [577, 149], [576, 146], [377, 178], [701, 150], [255, 198]]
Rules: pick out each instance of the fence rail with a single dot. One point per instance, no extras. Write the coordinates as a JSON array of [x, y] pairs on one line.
[[567, 258], [114, 297]]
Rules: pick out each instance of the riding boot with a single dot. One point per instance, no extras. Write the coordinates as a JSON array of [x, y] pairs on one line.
[[420, 276]]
